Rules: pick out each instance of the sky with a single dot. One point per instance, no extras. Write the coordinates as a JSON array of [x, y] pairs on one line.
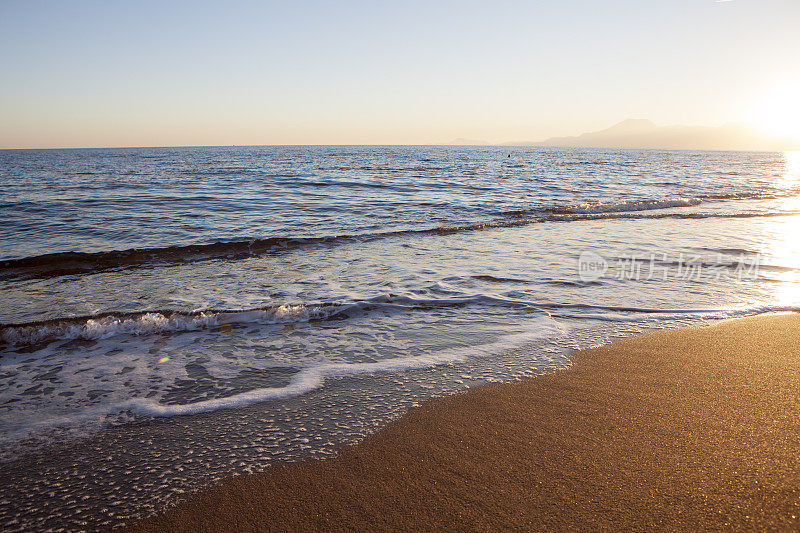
[[114, 73]]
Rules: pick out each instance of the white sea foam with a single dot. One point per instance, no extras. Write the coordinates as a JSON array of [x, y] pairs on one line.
[[643, 314], [107, 326], [587, 208], [304, 381], [149, 323], [314, 377]]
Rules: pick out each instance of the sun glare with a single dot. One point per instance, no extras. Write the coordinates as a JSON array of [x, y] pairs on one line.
[[777, 112], [792, 173], [785, 251], [782, 232]]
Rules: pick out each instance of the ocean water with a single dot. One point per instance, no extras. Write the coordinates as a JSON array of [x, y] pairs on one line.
[[173, 316]]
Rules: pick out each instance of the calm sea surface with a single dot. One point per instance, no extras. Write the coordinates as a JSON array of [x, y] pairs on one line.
[[173, 316]]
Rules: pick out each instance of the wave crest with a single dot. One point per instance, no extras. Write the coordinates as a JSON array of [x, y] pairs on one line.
[[80, 263]]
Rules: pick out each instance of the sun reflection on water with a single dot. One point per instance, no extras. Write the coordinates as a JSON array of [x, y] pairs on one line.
[[785, 238], [792, 173]]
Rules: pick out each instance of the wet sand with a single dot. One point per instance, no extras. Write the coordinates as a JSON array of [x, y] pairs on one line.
[[680, 429]]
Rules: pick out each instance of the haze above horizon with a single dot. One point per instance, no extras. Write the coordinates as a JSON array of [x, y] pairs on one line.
[[96, 74]]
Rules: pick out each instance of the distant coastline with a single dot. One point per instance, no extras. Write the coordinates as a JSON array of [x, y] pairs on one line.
[[644, 134], [634, 134]]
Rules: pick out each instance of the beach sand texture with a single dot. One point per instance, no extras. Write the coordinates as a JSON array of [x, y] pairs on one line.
[[679, 429]]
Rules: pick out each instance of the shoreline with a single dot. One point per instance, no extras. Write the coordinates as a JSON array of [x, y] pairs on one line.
[[684, 428]]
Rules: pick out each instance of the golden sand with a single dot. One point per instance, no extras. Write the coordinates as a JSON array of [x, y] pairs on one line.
[[681, 429]]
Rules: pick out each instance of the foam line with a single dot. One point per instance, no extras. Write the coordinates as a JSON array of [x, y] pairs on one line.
[[303, 382]]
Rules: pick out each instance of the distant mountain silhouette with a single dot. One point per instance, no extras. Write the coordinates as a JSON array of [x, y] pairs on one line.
[[640, 133]]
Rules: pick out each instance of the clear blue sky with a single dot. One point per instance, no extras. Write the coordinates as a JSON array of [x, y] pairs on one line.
[[143, 73]]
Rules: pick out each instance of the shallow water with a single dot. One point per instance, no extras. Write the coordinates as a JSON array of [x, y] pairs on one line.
[[175, 316]]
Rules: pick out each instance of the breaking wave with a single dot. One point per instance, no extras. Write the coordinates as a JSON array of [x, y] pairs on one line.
[[107, 325], [303, 382], [78, 263]]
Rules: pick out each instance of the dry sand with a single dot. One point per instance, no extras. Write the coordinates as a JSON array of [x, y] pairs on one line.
[[682, 429]]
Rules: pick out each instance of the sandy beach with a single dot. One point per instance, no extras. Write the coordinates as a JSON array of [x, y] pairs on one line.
[[675, 429], [272, 267]]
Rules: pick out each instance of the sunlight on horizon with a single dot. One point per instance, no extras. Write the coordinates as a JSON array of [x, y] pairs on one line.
[[777, 110], [279, 73]]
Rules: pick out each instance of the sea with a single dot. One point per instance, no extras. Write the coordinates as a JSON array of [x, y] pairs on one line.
[[171, 317]]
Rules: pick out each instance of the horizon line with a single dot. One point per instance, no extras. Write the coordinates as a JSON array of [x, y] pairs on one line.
[[527, 146]]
